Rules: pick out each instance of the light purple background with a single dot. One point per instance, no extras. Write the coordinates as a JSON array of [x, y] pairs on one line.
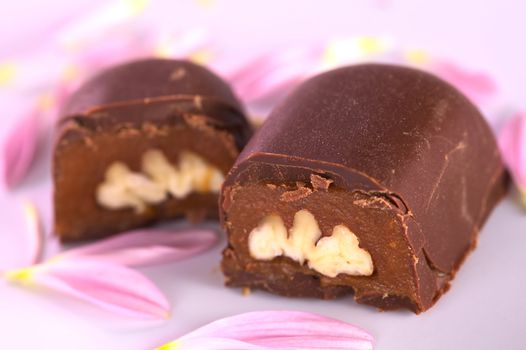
[[485, 309]]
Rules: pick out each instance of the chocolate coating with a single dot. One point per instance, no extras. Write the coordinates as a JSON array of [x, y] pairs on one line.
[[403, 149], [123, 112]]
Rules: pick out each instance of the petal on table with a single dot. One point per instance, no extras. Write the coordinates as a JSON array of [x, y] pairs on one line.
[[19, 149], [289, 330], [478, 86], [147, 246], [109, 286], [271, 73], [210, 343], [100, 21]]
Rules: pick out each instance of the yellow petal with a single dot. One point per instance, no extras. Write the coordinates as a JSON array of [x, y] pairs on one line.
[[417, 56], [46, 102], [352, 49], [71, 72], [8, 71], [162, 50], [22, 276], [170, 346], [370, 45], [136, 6], [201, 56]]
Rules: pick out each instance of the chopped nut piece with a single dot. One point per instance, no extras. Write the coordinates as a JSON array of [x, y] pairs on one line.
[[155, 165], [340, 253], [268, 240], [330, 256], [123, 188], [303, 236]]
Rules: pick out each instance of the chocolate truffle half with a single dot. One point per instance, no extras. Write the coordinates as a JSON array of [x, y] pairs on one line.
[[144, 141], [371, 179]]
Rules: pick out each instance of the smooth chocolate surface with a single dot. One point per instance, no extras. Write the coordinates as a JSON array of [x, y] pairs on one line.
[[395, 154], [167, 105]]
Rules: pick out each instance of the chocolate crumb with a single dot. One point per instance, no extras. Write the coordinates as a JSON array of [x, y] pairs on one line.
[[319, 182], [178, 74], [291, 196], [198, 102]]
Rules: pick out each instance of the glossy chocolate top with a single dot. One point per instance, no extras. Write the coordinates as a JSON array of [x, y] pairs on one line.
[[395, 130], [146, 79], [157, 91]]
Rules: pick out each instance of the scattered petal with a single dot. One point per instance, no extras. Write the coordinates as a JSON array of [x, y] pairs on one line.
[[417, 57], [100, 21], [274, 72], [352, 50], [70, 73], [19, 149], [182, 45], [106, 285], [478, 86], [278, 330], [46, 102], [211, 343], [35, 233], [202, 57], [147, 246], [512, 143]]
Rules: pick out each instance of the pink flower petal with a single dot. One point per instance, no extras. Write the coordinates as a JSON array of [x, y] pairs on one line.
[[35, 233], [97, 23], [147, 246], [19, 149], [274, 72], [106, 285], [184, 44], [211, 343], [512, 143], [477, 86], [278, 330]]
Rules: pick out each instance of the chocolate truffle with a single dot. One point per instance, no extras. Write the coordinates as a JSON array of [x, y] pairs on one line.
[[370, 179], [141, 142]]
